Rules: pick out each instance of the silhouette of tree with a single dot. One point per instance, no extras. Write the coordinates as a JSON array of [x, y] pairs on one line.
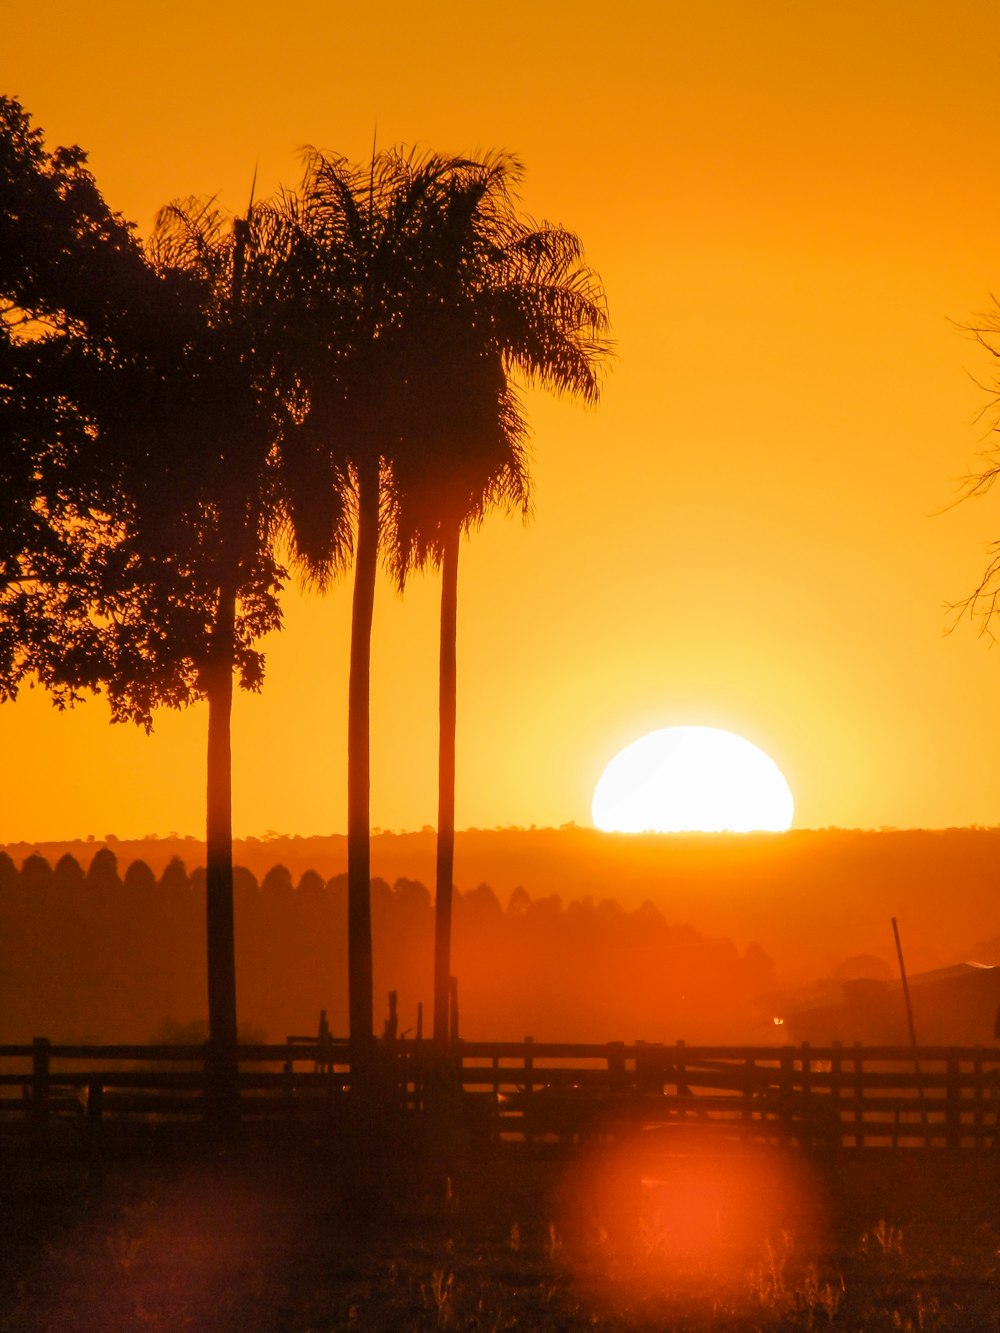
[[68, 873], [8, 873], [74, 285], [277, 884], [983, 604], [359, 239], [205, 519], [174, 880], [139, 879], [499, 298], [245, 882], [216, 530], [518, 902], [412, 901], [481, 904], [36, 873], [424, 288], [310, 885], [102, 873], [127, 542]]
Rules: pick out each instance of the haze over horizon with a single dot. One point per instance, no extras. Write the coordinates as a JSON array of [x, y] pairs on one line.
[[812, 899], [790, 213], [277, 835]]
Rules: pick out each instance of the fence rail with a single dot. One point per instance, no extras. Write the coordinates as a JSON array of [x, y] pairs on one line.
[[838, 1096]]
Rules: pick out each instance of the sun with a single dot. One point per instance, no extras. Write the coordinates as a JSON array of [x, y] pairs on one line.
[[692, 779]]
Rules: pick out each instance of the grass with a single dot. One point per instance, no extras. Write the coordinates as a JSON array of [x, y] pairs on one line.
[[298, 1240]]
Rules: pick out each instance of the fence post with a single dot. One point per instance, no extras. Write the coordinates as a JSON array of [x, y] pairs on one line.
[[859, 1102], [40, 1083], [835, 1094], [979, 1136], [288, 1080], [529, 1065], [749, 1087], [808, 1110], [616, 1065], [681, 1066], [391, 1031], [786, 1077], [95, 1128], [649, 1066], [953, 1104]]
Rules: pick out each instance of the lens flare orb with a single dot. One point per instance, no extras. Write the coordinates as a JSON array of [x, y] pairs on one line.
[[692, 779]]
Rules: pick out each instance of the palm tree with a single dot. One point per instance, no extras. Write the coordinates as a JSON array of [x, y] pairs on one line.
[[500, 298], [360, 241], [229, 480]]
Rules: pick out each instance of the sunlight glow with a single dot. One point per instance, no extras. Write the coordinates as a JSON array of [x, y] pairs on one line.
[[692, 779], [675, 1204]]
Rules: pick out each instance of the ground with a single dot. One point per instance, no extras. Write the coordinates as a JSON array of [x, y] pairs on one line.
[[298, 1236]]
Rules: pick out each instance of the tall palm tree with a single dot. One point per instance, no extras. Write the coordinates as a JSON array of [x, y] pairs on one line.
[[500, 298], [228, 482], [360, 239]]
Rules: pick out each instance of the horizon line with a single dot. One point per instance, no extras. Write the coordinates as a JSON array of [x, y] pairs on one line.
[[272, 836]]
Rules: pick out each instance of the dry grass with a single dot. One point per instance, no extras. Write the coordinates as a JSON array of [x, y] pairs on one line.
[[285, 1241]]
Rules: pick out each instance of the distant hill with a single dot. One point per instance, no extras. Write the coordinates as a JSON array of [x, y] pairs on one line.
[[812, 898]]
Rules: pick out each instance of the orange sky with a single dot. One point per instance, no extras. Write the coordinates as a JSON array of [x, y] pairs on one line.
[[787, 203]]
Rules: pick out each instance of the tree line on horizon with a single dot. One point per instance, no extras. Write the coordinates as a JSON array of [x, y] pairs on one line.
[[332, 376], [128, 962]]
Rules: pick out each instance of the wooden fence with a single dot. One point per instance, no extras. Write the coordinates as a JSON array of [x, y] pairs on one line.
[[820, 1097]]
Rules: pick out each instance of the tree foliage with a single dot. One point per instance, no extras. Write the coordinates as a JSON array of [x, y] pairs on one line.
[[983, 604], [71, 274], [502, 303]]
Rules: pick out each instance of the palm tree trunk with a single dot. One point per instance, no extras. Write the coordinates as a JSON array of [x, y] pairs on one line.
[[359, 917], [223, 1071], [446, 788]]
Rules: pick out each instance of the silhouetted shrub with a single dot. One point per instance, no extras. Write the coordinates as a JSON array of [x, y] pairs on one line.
[[123, 957], [69, 875], [36, 873], [310, 884], [102, 873], [277, 883], [175, 876], [139, 878]]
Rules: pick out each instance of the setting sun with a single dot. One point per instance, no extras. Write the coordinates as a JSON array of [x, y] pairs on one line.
[[692, 779]]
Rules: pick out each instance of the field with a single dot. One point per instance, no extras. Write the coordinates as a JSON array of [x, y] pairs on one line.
[[296, 1236]]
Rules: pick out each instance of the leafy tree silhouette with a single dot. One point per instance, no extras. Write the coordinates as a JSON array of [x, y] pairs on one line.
[[207, 471], [73, 280], [245, 881], [277, 884], [68, 873], [174, 880], [207, 558], [983, 603], [102, 873], [126, 541], [139, 878], [310, 886], [36, 873]]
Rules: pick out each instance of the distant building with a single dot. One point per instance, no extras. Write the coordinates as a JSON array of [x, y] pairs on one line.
[[952, 1006]]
